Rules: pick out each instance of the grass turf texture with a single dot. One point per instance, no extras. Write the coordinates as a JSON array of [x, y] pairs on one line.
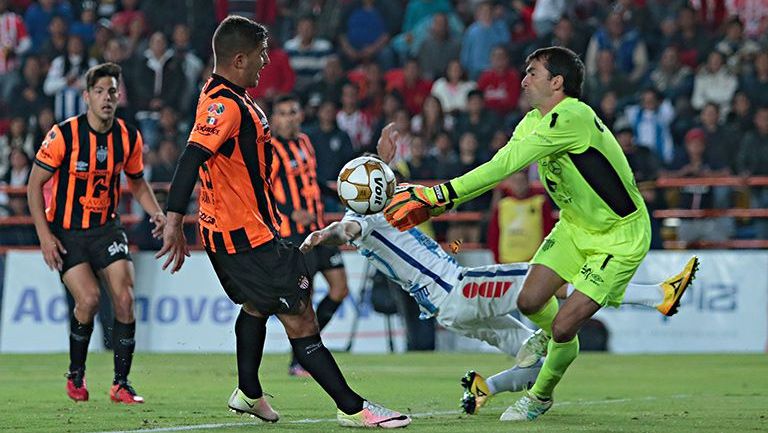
[[600, 393]]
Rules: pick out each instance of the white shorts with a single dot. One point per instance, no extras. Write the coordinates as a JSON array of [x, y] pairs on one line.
[[481, 293]]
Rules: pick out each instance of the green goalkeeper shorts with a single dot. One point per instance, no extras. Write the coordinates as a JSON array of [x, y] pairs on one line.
[[598, 264]]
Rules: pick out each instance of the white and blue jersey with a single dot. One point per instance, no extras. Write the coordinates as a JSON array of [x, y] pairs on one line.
[[433, 277], [410, 258]]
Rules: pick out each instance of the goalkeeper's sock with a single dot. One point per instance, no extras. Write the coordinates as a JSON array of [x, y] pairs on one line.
[[325, 311], [319, 362], [79, 337], [559, 357], [649, 295], [513, 380], [250, 333], [544, 317]]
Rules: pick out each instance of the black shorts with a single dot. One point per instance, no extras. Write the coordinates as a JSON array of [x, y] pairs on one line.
[[99, 246], [322, 258], [273, 277]]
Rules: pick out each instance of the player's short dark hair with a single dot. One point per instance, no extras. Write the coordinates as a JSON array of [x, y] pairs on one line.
[[564, 62], [102, 70], [236, 34]]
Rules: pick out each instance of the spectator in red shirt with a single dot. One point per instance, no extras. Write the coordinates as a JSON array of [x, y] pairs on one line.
[[411, 85], [500, 84], [121, 21]]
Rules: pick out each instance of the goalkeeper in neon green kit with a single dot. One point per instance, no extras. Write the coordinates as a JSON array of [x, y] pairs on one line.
[[604, 228]]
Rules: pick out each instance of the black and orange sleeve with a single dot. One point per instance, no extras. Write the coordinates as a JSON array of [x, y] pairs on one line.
[[51, 152], [134, 165], [216, 121]]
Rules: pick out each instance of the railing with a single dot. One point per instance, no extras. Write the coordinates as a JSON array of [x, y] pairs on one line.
[[738, 183]]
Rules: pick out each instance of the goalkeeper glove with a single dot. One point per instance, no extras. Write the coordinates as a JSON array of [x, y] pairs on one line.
[[415, 204]]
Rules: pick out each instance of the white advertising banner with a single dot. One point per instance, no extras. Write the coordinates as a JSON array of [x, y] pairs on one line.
[[35, 316], [726, 310], [184, 312]]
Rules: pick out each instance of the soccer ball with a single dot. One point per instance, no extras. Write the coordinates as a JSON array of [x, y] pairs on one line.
[[366, 185]]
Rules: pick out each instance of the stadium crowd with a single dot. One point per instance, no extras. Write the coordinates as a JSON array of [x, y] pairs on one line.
[[682, 84]]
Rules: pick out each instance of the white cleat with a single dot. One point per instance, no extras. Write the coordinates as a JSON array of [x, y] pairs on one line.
[[527, 408], [532, 349], [255, 407]]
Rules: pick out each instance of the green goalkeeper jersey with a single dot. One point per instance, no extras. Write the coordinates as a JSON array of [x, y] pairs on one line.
[[580, 163]]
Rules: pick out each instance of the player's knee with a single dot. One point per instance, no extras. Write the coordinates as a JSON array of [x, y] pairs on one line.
[[124, 306], [562, 333], [527, 305], [300, 325], [88, 305]]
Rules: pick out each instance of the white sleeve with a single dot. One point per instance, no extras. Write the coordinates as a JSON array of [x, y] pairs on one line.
[[364, 220]]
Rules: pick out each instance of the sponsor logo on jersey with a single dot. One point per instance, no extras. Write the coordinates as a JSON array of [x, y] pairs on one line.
[[206, 130], [208, 219]]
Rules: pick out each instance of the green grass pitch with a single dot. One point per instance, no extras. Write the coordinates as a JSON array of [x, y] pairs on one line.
[[600, 393]]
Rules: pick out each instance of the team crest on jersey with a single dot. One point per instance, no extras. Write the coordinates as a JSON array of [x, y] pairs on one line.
[[216, 109], [101, 154]]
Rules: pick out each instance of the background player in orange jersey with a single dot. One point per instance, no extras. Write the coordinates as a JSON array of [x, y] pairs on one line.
[[80, 232], [299, 201]]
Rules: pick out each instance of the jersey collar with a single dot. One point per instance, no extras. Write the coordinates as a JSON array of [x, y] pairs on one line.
[[237, 89]]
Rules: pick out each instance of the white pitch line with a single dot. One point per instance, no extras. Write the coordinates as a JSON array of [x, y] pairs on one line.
[[415, 415]]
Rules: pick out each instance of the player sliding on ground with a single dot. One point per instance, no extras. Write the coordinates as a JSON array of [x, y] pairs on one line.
[[604, 230], [474, 302]]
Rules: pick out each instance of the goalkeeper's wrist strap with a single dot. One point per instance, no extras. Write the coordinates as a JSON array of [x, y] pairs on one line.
[[445, 194]]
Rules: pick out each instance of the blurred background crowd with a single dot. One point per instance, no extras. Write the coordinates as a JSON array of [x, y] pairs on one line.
[[683, 84]]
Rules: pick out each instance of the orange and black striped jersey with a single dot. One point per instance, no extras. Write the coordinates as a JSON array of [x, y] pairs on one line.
[[87, 166], [237, 207], [294, 177]]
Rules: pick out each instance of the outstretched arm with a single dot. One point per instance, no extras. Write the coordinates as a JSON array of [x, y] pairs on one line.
[[338, 233]]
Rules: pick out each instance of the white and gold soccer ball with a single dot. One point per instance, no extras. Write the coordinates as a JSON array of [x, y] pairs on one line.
[[366, 185]]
